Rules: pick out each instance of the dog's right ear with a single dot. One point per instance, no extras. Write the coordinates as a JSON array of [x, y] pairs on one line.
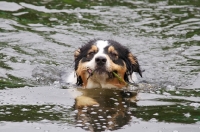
[[77, 53], [79, 80]]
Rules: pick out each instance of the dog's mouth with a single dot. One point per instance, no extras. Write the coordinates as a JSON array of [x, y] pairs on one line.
[[112, 74], [101, 70], [98, 70]]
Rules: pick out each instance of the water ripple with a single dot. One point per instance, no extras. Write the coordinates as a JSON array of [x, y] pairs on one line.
[[9, 6]]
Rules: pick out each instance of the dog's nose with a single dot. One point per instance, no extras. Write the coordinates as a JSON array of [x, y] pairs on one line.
[[100, 60]]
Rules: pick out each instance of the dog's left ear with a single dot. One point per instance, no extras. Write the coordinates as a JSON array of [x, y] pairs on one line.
[[135, 67]]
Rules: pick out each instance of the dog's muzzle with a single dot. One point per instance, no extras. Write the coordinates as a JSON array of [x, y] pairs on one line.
[[100, 61]]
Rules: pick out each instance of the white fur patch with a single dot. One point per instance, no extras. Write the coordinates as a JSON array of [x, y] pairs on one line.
[[72, 78], [134, 78], [101, 44]]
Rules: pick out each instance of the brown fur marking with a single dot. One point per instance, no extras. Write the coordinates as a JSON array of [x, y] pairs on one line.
[[93, 49], [112, 50], [77, 53], [132, 58], [82, 71]]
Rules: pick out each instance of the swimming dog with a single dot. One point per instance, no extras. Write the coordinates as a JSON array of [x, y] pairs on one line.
[[104, 64]]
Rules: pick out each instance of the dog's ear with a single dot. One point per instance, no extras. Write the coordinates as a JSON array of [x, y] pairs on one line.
[[135, 67], [77, 53]]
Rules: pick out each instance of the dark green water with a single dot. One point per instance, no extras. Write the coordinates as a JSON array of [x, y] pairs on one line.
[[37, 41]]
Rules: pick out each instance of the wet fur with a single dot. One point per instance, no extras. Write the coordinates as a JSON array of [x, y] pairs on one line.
[[125, 62]]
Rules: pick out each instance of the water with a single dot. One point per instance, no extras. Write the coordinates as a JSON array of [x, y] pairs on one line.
[[37, 41]]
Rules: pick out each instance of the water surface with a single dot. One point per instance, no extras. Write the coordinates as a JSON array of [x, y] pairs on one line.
[[37, 41]]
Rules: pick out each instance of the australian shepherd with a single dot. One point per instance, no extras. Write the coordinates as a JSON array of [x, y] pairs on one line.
[[104, 64]]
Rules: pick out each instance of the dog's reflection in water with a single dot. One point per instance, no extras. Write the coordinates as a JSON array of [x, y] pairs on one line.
[[104, 109]]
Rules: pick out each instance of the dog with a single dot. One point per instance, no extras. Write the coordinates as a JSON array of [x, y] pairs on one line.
[[104, 64]]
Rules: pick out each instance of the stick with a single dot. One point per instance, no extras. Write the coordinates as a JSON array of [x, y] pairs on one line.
[[119, 78]]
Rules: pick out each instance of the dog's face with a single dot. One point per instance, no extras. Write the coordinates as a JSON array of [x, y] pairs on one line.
[[98, 60]]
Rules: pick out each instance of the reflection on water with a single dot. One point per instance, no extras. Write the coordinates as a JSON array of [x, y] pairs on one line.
[[114, 109], [37, 41]]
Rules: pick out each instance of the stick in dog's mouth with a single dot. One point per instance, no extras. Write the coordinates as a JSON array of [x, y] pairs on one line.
[[111, 74], [119, 78], [91, 72]]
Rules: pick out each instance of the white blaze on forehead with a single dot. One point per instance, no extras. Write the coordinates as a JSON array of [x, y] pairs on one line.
[[101, 44]]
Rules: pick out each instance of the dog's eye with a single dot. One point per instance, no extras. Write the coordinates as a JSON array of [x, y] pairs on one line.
[[114, 54], [91, 53]]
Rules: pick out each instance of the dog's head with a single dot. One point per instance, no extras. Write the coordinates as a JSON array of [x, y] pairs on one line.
[[98, 61]]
